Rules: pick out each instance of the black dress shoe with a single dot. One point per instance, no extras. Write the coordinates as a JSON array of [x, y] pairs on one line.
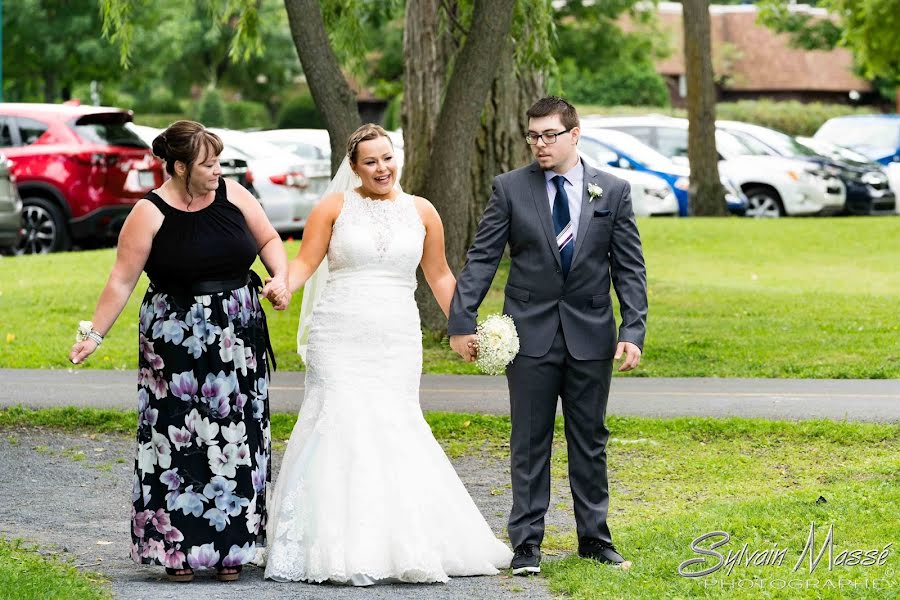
[[600, 551], [526, 560]]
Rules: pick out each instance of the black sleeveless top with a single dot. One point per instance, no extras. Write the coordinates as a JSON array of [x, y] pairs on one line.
[[211, 244]]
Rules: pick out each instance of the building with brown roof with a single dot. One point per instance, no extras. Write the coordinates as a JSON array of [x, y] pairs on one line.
[[752, 61]]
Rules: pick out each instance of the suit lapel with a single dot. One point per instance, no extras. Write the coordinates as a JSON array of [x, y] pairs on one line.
[[590, 176], [538, 184]]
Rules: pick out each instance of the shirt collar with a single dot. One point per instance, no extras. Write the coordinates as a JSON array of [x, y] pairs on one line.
[[572, 176]]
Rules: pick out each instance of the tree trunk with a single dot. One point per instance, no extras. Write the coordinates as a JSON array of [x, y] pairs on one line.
[[447, 184], [706, 193], [500, 146], [333, 97], [427, 52]]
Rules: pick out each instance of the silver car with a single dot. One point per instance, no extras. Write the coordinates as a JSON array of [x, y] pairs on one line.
[[279, 178], [313, 148], [11, 230]]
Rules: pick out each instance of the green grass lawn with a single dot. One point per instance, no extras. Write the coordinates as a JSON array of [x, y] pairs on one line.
[[673, 480], [728, 298], [26, 575]]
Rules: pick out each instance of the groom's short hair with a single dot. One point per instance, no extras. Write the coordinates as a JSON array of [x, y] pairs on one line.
[[554, 105]]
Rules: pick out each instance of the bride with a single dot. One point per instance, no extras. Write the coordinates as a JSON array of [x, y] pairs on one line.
[[365, 493]]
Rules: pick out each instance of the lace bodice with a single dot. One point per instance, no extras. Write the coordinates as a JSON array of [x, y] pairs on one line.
[[382, 235]]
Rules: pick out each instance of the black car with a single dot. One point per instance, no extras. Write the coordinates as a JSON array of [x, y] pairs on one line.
[[868, 188]]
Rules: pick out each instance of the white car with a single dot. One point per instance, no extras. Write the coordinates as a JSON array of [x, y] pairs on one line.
[[279, 178], [311, 145], [650, 195], [774, 185]]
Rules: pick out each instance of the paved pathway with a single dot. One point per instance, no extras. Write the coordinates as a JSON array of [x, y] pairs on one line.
[[855, 400]]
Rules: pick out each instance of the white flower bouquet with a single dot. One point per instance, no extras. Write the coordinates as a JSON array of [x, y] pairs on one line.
[[498, 344]]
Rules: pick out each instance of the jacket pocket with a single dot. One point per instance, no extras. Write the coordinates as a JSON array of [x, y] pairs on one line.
[[605, 212], [600, 300], [517, 293]]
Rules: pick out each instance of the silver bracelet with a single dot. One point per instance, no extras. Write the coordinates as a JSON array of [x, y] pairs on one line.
[[95, 335]]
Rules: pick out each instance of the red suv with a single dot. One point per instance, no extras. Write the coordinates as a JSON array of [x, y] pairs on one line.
[[79, 171]]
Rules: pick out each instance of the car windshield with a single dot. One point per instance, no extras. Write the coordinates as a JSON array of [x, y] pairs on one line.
[[834, 151], [730, 146], [874, 133], [302, 150], [750, 144], [248, 146], [108, 128], [782, 143], [629, 146]]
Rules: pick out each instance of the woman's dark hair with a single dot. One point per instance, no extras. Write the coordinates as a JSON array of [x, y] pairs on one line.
[[183, 140]]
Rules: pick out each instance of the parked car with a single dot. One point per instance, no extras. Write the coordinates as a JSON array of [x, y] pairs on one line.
[[279, 179], [312, 146], [774, 185], [625, 151], [234, 166], [621, 150], [868, 191], [11, 230], [79, 171], [876, 136], [650, 195]]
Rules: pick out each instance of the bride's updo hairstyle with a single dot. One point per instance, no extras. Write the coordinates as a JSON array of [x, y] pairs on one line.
[[182, 141], [364, 133]]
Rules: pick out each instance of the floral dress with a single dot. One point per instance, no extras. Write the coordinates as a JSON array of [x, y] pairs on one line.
[[202, 461]]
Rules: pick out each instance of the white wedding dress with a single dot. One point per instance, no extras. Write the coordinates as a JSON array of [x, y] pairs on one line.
[[365, 493]]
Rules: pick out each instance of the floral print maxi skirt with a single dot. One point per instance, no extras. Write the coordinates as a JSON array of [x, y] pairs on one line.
[[203, 443]]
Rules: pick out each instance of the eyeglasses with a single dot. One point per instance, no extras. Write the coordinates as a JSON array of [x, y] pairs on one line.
[[549, 138]]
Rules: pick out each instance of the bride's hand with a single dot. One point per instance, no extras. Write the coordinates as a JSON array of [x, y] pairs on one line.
[[276, 291]]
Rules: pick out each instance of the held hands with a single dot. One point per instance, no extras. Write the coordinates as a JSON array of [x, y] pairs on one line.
[[465, 345], [276, 291], [632, 355], [81, 350]]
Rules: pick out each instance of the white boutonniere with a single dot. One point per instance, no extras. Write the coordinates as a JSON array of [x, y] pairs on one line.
[[595, 191]]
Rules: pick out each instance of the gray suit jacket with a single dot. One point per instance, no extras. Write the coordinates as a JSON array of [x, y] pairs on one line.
[[538, 297]]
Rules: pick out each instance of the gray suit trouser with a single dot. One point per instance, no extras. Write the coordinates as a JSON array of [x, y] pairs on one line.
[[535, 385]]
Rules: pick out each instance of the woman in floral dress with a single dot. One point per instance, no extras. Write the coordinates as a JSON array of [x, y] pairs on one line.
[[203, 440]]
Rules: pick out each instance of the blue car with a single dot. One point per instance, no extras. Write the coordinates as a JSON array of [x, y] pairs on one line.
[[875, 136], [631, 153], [625, 151]]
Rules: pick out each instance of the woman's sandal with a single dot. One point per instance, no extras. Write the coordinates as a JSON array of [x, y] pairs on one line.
[[180, 575], [228, 573]]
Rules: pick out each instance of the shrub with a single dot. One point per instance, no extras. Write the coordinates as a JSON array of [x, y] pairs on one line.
[[158, 120], [791, 117], [211, 109], [637, 84], [300, 112], [245, 114], [392, 114], [158, 100]]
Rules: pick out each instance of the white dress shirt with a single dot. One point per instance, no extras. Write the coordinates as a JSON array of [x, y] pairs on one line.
[[574, 186]]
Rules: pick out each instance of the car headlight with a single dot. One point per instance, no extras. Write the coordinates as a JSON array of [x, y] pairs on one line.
[[683, 184], [874, 178], [807, 174]]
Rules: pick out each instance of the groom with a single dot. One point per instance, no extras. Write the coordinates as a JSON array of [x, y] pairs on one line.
[[571, 232]]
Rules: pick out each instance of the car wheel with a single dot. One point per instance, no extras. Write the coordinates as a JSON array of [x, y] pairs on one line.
[[763, 203], [46, 229]]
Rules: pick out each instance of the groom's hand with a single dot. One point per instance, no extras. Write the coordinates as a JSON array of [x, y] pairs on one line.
[[632, 355], [465, 346]]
